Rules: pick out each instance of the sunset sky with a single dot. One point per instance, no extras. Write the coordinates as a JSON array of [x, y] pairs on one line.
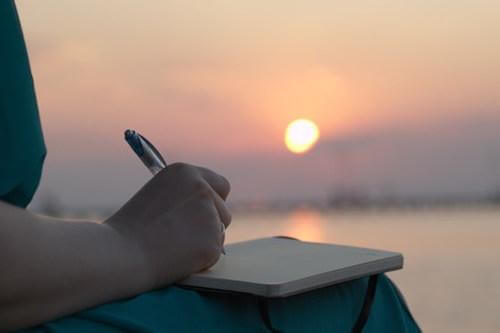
[[406, 95]]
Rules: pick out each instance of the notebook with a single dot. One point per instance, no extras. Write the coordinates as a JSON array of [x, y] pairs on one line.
[[283, 266]]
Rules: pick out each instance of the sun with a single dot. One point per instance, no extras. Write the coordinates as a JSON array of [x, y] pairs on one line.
[[301, 135]]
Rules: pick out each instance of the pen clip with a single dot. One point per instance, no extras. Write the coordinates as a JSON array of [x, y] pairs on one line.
[[150, 145]]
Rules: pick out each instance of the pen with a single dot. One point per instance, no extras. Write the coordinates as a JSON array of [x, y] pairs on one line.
[[146, 152], [150, 156]]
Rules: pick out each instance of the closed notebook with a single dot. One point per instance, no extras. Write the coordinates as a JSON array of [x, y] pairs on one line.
[[280, 267]]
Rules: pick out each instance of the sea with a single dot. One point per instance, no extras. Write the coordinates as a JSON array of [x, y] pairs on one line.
[[451, 273]]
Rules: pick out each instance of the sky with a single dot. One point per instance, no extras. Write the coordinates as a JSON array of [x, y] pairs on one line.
[[406, 95]]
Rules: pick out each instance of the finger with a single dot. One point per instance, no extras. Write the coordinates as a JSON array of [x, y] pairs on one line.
[[218, 225], [224, 214], [210, 198], [219, 183], [223, 250], [223, 238]]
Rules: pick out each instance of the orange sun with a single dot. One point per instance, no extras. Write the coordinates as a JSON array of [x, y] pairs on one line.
[[301, 135]]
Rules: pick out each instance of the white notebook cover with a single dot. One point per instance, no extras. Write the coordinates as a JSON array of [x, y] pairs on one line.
[[280, 267]]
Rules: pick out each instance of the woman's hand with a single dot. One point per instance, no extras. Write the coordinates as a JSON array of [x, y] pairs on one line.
[[168, 230], [174, 221]]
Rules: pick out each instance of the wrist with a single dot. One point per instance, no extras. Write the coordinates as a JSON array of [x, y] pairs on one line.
[[130, 261]]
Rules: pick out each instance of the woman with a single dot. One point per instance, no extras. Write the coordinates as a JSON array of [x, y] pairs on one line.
[[114, 276]]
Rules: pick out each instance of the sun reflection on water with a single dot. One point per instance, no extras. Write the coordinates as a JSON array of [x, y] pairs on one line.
[[306, 225]]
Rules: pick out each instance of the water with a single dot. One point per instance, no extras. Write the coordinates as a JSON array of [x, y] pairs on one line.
[[451, 273]]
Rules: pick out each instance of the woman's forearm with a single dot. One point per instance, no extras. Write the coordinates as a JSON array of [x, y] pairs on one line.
[[168, 230], [50, 267]]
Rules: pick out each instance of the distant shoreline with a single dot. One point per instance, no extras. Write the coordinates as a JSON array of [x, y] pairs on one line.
[[286, 206]]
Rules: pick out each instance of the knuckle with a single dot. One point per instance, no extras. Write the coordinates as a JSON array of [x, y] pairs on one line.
[[204, 193], [202, 190], [184, 169], [226, 184], [179, 166], [199, 184]]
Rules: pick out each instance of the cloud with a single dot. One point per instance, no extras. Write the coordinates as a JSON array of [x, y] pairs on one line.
[[453, 156], [346, 143]]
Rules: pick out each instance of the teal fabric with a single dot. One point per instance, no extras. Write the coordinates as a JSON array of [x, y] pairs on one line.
[[22, 149], [172, 309]]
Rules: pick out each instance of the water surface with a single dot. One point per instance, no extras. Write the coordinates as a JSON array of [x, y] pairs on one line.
[[451, 272]]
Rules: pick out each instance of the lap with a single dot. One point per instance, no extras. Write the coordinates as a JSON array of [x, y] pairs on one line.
[[330, 309], [336, 309]]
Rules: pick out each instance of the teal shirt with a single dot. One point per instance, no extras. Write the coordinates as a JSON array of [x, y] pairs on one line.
[[22, 149], [172, 309]]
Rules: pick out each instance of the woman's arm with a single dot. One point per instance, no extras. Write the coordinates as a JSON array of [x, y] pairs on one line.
[[168, 230], [53, 267]]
